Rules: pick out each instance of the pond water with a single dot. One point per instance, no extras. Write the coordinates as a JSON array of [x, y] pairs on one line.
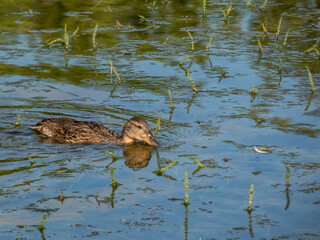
[[48, 69]]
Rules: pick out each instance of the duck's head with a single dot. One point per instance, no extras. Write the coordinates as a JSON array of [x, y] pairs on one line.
[[138, 129]]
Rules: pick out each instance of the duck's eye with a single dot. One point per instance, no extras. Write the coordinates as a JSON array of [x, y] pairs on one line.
[[139, 127]]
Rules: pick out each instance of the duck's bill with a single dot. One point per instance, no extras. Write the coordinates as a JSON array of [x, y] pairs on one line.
[[151, 140]]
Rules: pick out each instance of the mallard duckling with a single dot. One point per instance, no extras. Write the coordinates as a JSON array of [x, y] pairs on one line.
[[67, 130]]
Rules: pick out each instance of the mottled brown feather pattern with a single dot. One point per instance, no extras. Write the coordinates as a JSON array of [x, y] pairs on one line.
[[67, 130]]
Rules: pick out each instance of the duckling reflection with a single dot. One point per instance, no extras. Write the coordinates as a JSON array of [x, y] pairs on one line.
[[138, 155]]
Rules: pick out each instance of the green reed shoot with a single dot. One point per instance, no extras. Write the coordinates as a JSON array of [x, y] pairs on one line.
[[264, 28], [310, 79], [66, 37], [209, 43], [204, 5], [42, 222], [227, 12], [75, 32], [248, 3], [114, 157], [191, 80], [171, 102], [285, 39], [31, 160], [61, 197], [260, 47], [192, 42], [94, 37], [30, 11], [153, 5], [250, 197], [254, 92], [278, 28], [223, 73], [313, 48], [264, 4], [184, 59], [160, 171], [198, 162], [186, 186], [280, 65], [287, 175], [17, 124], [112, 69], [49, 43], [158, 125], [114, 183]]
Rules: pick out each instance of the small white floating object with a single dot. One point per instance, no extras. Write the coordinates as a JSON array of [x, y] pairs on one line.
[[256, 150]]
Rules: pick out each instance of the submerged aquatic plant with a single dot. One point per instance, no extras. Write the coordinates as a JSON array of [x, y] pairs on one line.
[[170, 97], [260, 47], [285, 39], [249, 209], [313, 48], [114, 157], [254, 92], [192, 41], [159, 172], [114, 183], [198, 162], [75, 32], [280, 65], [112, 69], [94, 37], [186, 186], [209, 43], [264, 4], [41, 227], [264, 28], [158, 125], [310, 80], [227, 12], [17, 123], [191, 80], [184, 59], [287, 175], [31, 160], [66, 37], [278, 28], [204, 5]]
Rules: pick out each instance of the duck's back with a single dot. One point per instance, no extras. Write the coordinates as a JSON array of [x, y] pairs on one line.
[[67, 130]]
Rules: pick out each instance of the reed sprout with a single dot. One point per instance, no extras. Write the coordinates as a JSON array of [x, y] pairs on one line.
[[313, 48], [280, 65], [198, 162], [96, 195], [285, 39], [184, 59], [260, 47], [17, 123], [227, 12], [264, 4], [94, 37], [186, 186], [254, 92], [191, 80], [114, 157], [31, 160], [112, 69], [75, 32], [248, 3], [49, 42], [310, 79], [223, 73], [170, 97], [192, 41], [264, 28], [158, 125], [250, 198], [278, 28], [114, 183], [287, 175], [209, 43], [66, 37], [41, 227], [204, 5], [61, 197], [160, 171]]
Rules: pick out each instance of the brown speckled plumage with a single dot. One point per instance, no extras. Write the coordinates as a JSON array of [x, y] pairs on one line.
[[67, 130]]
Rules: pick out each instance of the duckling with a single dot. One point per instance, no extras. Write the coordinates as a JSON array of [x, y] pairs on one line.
[[67, 130]]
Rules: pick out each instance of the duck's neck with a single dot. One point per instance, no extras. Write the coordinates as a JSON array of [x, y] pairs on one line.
[[125, 139]]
